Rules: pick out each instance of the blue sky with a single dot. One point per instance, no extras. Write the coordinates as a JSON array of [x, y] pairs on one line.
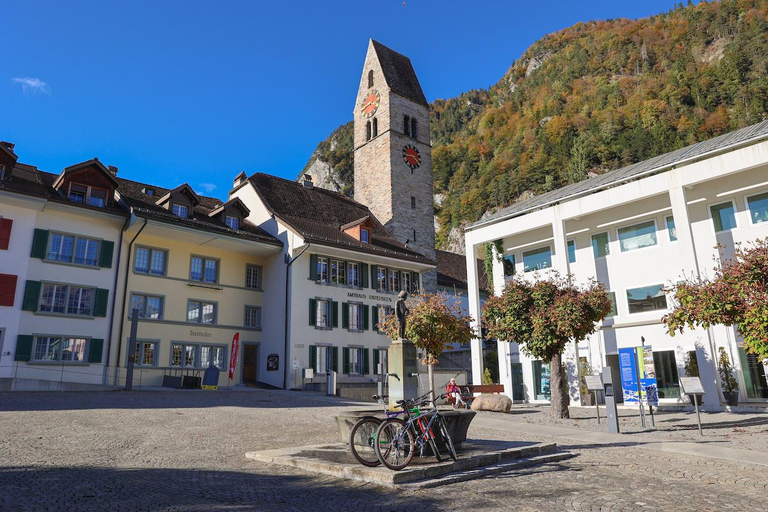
[[175, 91]]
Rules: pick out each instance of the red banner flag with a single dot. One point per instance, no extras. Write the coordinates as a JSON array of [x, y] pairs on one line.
[[233, 356]]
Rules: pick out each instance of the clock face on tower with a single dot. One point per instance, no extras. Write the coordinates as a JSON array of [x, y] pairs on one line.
[[370, 103], [411, 156]]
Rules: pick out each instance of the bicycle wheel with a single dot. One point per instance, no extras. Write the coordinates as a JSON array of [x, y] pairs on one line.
[[362, 438], [428, 434], [394, 444], [446, 438]]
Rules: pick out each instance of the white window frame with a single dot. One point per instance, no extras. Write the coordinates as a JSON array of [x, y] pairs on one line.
[[357, 326], [393, 275], [323, 274], [151, 251], [75, 240], [358, 360], [328, 322], [379, 270], [252, 310], [591, 244], [59, 351], [748, 210], [666, 228], [326, 358], [68, 291], [356, 281], [88, 193], [405, 275], [547, 247], [174, 207], [143, 314], [383, 360], [365, 235], [140, 344], [211, 348], [255, 269], [336, 273], [229, 220], [712, 219], [655, 235], [204, 261], [201, 306]]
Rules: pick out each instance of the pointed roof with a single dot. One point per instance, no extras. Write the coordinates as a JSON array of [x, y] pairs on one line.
[[399, 74], [82, 165]]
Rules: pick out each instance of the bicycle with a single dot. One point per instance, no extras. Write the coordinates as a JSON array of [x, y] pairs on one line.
[[401, 438], [363, 434]]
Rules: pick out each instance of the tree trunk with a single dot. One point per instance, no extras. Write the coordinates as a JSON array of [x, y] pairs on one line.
[[559, 396], [431, 373]]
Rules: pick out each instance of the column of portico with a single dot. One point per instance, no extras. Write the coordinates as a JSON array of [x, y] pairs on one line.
[[503, 347], [473, 296]]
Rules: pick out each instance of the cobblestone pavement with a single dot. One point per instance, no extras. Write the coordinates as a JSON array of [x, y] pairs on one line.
[[745, 431], [185, 451]]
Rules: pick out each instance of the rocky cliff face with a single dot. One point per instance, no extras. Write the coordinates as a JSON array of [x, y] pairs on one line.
[[323, 175]]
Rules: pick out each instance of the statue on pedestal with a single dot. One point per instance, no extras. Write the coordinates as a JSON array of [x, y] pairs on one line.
[[401, 312]]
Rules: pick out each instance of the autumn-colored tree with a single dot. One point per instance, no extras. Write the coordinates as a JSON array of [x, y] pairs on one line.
[[542, 316], [736, 295], [433, 323]]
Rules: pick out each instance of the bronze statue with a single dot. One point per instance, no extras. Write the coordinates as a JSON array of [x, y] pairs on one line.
[[401, 312]]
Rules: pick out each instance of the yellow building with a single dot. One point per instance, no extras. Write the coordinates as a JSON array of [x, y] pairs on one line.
[[193, 268]]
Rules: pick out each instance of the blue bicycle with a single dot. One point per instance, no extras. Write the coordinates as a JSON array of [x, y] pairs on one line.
[[362, 437]]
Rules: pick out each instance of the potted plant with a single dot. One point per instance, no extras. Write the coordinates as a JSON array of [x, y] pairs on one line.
[[691, 367], [728, 381]]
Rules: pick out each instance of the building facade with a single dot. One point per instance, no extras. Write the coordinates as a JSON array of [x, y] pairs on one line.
[[639, 230]]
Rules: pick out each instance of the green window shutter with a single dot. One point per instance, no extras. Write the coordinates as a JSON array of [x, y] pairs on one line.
[[375, 325], [374, 277], [366, 359], [313, 267], [95, 350], [335, 359], [107, 250], [31, 296], [40, 243], [313, 357], [375, 361], [335, 307], [345, 315], [366, 315], [24, 348], [364, 273], [100, 302], [346, 360], [312, 312]]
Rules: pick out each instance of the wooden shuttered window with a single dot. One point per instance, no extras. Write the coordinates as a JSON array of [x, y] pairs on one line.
[[364, 275], [95, 350], [335, 313], [312, 312], [100, 302], [7, 289], [366, 317], [107, 251], [31, 296], [313, 358], [366, 361], [415, 285], [5, 233], [345, 315], [313, 267], [345, 360], [335, 359], [376, 361], [24, 345], [374, 325], [39, 243], [374, 277]]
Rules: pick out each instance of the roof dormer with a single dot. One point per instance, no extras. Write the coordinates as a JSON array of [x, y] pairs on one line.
[[232, 213], [180, 201], [360, 229], [89, 183], [239, 179]]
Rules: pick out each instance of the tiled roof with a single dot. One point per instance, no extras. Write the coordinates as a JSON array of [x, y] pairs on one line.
[[753, 134], [133, 193], [399, 74], [452, 271], [318, 214]]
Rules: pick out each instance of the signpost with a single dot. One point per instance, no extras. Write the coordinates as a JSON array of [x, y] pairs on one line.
[[594, 384], [638, 375], [692, 386]]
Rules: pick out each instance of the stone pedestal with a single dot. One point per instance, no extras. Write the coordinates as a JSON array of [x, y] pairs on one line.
[[402, 362]]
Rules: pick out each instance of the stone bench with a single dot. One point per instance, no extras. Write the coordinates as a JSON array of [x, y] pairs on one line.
[[457, 422]]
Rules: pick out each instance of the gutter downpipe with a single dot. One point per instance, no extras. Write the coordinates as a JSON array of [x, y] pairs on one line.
[[286, 347], [105, 377], [125, 294]]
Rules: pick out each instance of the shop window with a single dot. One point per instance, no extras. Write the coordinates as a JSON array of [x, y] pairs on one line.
[[541, 380], [666, 374]]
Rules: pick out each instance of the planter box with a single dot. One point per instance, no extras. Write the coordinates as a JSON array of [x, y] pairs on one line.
[[731, 397], [694, 399]]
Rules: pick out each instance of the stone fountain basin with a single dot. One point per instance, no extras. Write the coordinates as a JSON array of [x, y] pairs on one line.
[[457, 422]]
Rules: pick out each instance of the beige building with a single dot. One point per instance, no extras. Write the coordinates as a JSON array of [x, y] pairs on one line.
[[193, 268]]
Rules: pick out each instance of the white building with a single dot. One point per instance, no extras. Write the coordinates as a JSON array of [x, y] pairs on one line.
[[637, 230]]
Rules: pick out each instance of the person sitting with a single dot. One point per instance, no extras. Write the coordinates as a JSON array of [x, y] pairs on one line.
[[453, 391]]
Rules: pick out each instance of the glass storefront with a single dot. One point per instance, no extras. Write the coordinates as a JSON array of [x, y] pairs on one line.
[[541, 381], [756, 386], [666, 374]]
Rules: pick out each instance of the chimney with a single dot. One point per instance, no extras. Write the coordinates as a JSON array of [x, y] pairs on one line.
[[112, 170], [308, 181], [8, 145]]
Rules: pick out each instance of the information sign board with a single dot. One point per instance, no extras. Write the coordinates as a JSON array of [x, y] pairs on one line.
[[691, 386], [594, 382]]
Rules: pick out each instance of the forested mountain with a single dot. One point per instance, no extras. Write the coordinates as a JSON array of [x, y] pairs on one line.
[[587, 99]]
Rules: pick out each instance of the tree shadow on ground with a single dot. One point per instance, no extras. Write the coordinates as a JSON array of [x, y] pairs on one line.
[[95, 488]]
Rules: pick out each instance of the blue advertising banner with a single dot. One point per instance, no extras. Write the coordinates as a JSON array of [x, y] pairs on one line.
[[627, 357]]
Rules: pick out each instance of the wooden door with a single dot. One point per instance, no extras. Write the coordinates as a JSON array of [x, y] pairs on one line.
[[249, 363]]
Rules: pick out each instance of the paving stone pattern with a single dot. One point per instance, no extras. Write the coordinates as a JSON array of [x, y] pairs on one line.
[[185, 451]]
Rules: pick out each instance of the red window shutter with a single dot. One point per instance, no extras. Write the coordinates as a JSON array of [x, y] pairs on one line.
[[7, 289], [5, 233]]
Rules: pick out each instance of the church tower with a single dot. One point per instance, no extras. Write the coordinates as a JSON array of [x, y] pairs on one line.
[[393, 154]]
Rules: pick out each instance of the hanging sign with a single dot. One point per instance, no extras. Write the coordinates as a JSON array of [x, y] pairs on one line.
[[233, 355]]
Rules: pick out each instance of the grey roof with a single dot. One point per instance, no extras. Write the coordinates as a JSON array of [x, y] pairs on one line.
[[749, 135], [399, 74]]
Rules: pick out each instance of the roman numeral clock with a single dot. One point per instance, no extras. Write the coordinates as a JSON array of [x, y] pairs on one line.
[[411, 156]]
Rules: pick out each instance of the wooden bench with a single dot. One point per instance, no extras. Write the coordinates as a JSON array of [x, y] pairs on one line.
[[468, 392]]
